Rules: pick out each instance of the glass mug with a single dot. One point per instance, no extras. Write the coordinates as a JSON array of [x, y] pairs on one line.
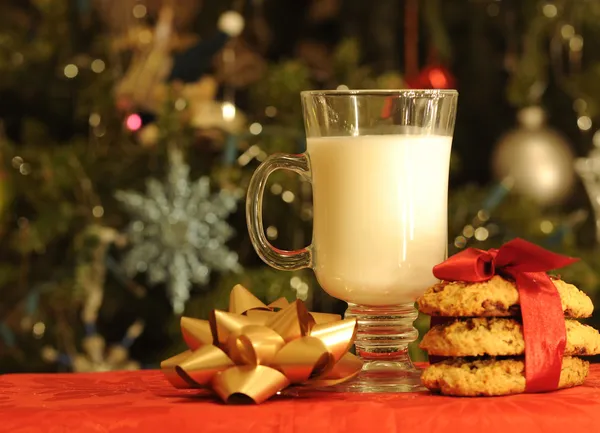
[[378, 161]]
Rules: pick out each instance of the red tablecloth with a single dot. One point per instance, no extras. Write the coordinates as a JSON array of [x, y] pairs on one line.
[[144, 402]]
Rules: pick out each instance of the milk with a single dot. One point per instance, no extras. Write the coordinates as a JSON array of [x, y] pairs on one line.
[[380, 215]]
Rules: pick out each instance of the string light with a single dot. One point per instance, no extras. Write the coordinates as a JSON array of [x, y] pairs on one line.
[[39, 329], [255, 128], [481, 233], [50, 354], [228, 111], [180, 104], [584, 123], [244, 159], [460, 242], [343, 87], [139, 11], [98, 211], [94, 120], [546, 227], [306, 213], [483, 215], [596, 138], [468, 231], [17, 161], [133, 122], [576, 43], [549, 10], [271, 111], [254, 150], [438, 78], [567, 31], [98, 66], [137, 226], [25, 169], [295, 282], [71, 71], [276, 189], [302, 291], [579, 105], [288, 196], [261, 156], [272, 232]]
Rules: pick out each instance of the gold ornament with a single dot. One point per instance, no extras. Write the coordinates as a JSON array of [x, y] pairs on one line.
[[142, 85], [207, 113], [537, 160], [254, 351], [96, 357]]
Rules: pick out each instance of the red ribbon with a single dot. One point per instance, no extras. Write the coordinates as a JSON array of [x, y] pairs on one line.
[[543, 319]]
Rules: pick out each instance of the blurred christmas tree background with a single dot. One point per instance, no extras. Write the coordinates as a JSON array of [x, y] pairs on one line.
[[130, 129]]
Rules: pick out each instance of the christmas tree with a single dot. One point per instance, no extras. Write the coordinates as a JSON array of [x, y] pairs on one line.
[[130, 130]]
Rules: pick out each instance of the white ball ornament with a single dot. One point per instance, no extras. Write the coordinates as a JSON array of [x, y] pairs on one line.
[[232, 23], [538, 159]]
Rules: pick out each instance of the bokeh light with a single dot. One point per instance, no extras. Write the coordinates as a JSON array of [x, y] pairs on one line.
[[133, 122]]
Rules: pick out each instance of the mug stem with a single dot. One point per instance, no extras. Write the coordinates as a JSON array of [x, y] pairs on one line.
[[384, 333], [382, 340]]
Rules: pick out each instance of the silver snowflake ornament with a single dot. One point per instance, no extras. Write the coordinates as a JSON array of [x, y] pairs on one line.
[[178, 231]]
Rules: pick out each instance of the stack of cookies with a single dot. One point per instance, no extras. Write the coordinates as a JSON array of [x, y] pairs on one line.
[[483, 337]]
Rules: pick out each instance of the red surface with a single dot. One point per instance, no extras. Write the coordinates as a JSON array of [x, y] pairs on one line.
[[145, 402]]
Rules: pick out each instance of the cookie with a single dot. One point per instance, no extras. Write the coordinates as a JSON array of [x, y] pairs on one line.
[[491, 377], [500, 337], [496, 297]]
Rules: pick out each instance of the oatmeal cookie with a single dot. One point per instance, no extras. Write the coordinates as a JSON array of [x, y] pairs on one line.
[[500, 337], [489, 377], [496, 297]]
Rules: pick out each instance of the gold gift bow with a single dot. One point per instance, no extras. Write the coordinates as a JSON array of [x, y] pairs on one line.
[[253, 351]]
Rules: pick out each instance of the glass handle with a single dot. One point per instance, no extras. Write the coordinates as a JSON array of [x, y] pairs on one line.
[[278, 259]]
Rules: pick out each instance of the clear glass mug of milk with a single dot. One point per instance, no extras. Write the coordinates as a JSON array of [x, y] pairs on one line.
[[378, 161]]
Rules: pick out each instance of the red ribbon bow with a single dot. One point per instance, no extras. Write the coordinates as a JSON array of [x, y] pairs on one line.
[[543, 319]]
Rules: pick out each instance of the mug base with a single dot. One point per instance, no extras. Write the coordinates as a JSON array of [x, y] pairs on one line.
[[382, 379]]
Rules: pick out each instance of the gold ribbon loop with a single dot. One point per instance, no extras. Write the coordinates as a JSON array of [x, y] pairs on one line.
[[241, 300], [196, 333], [302, 359], [255, 345], [254, 352], [168, 368], [201, 366], [292, 322], [279, 304], [260, 317], [224, 324], [255, 382], [346, 368], [325, 317], [337, 336]]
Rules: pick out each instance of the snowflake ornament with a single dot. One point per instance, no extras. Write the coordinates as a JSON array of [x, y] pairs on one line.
[[179, 231]]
